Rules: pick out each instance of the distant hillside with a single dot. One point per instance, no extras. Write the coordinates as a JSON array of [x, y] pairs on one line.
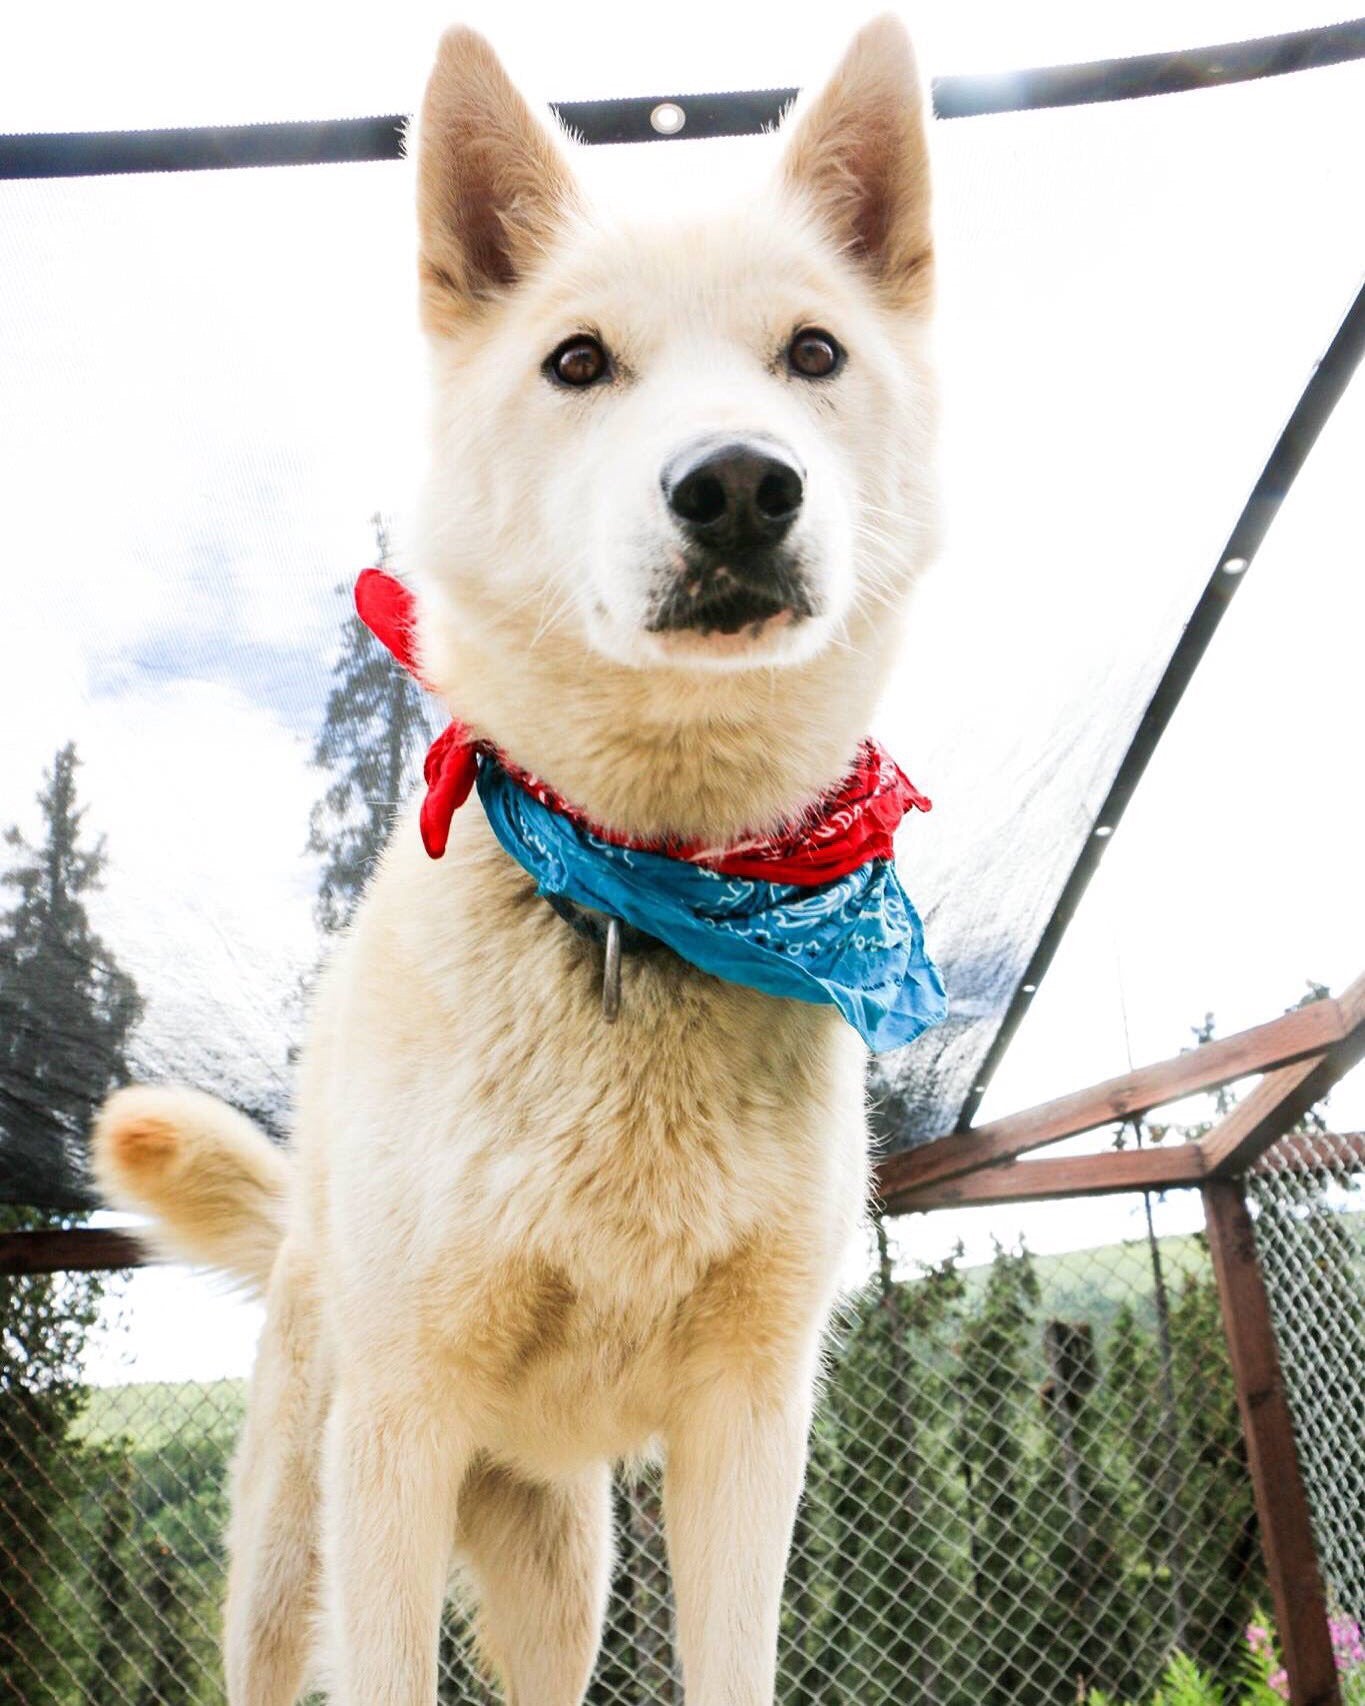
[[151, 1413], [1093, 1285], [1081, 1285]]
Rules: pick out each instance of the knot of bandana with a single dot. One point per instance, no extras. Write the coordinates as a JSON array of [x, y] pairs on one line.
[[814, 911]]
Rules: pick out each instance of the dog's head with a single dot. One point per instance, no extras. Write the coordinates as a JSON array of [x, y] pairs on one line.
[[673, 456]]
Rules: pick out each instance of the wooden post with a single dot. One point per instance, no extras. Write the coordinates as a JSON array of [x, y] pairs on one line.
[[1281, 1503], [70, 1249]]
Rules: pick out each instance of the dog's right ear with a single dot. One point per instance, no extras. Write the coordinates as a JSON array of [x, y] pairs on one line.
[[857, 153], [492, 182]]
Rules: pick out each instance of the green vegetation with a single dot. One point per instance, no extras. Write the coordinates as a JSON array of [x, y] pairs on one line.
[[1260, 1678], [1008, 1506], [987, 1518], [66, 1010], [150, 1413]]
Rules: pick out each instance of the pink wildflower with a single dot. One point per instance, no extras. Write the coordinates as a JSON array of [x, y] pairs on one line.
[[1347, 1643]]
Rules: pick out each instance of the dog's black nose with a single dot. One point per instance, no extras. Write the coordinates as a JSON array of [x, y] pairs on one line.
[[734, 494]]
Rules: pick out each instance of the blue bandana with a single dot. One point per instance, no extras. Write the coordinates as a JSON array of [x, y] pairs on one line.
[[856, 943]]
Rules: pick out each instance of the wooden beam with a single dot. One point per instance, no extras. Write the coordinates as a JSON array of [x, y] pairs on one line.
[[1281, 1503], [1283, 1097], [1164, 1167], [75, 1249], [1306, 1031], [1157, 1169]]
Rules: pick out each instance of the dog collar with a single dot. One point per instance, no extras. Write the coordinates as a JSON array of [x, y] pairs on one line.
[[814, 911]]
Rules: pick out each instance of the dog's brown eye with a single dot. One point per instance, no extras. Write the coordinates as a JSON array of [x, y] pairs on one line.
[[813, 354], [578, 361]]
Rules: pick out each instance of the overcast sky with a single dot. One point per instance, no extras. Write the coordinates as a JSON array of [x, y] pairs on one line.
[[211, 383]]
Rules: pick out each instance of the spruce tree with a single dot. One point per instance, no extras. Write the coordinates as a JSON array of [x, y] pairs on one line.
[[66, 1006], [66, 1011], [112, 1637], [881, 1495], [376, 724], [1148, 1450], [1225, 1578], [1090, 1622], [996, 1458]]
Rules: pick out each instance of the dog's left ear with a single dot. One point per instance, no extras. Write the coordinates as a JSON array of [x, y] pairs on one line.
[[858, 154], [493, 183]]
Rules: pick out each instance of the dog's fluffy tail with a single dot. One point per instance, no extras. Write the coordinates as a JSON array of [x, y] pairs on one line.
[[211, 1181]]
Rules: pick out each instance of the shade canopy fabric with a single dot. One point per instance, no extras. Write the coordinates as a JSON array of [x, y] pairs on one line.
[[210, 388]]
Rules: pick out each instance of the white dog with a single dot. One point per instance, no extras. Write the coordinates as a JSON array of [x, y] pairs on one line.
[[681, 484]]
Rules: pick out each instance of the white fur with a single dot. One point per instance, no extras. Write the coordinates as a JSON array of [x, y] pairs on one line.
[[521, 1244]]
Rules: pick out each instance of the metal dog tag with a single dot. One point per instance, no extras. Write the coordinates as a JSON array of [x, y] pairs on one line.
[[611, 972]]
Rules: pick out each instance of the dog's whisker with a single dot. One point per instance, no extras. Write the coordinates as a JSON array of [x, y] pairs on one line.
[[553, 612]]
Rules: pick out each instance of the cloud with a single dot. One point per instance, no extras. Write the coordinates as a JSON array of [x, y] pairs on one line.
[[203, 799]]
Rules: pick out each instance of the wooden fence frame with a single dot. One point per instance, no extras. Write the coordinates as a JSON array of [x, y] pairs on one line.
[[1301, 1055]]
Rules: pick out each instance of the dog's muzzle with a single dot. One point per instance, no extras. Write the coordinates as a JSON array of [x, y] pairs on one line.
[[734, 502]]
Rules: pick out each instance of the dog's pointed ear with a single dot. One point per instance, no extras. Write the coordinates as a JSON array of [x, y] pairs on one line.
[[493, 183], [857, 152]]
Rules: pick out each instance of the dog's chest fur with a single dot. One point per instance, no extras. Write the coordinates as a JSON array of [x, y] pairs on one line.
[[572, 1216]]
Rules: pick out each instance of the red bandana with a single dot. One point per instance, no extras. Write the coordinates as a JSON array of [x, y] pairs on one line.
[[846, 829]]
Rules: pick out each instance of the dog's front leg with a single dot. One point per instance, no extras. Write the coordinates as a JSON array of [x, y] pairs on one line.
[[735, 1462], [391, 1473]]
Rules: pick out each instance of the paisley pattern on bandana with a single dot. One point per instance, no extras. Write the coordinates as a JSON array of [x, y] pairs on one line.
[[856, 942]]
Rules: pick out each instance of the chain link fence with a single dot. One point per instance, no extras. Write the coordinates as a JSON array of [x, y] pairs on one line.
[[1308, 1200], [1027, 1485]]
